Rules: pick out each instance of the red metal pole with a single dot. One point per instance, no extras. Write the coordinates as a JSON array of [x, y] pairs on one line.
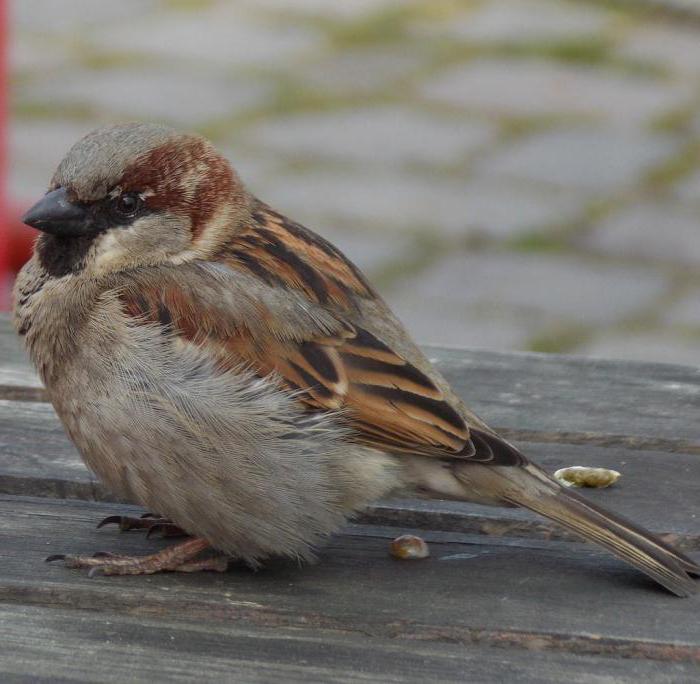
[[5, 276]]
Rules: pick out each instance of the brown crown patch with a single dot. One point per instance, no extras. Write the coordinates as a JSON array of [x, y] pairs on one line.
[[185, 176]]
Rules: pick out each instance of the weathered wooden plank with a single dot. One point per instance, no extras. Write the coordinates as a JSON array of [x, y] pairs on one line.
[[37, 457], [43, 643], [659, 490], [32, 438], [535, 397], [550, 393], [549, 596], [17, 379]]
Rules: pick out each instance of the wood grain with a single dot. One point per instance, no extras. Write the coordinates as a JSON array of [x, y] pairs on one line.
[[17, 378], [550, 596], [38, 642]]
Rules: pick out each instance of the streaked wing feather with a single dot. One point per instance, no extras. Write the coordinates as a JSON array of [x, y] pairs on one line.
[[404, 407], [389, 402]]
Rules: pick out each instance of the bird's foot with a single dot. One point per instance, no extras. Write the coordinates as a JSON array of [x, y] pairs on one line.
[[177, 558], [148, 521]]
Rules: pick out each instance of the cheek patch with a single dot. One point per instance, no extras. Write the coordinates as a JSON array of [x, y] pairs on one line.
[[106, 249], [149, 240]]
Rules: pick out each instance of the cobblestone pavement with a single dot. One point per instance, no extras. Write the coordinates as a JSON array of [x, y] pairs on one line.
[[514, 174]]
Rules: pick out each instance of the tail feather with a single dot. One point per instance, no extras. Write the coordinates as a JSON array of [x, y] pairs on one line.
[[533, 489], [622, 537]]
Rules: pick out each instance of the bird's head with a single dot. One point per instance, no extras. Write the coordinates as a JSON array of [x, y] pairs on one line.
[[136, 194]]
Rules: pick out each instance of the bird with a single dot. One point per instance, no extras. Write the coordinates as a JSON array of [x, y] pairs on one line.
[[235, 374]]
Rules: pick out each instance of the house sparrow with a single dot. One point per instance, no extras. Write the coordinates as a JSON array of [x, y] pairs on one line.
[[226, 367]]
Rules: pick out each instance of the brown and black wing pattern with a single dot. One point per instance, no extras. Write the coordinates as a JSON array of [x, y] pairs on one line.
[[388, 402], [282, 252]]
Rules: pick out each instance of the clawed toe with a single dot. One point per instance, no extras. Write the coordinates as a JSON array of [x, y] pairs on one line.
[[109, 520], [79, 561], [127, 522], [178, 558], [165, 529], [154, 524], [213, 563], [54, 557]]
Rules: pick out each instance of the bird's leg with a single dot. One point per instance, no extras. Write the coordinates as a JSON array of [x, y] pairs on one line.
[[177, 558], [148, 521]]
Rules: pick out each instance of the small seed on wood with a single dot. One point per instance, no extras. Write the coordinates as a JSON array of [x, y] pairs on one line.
[[584, 476], [409, 547]]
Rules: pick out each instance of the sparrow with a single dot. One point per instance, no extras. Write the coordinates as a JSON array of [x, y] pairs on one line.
[[232, 371]]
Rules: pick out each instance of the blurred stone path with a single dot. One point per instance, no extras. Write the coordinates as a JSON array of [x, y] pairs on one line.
[[514, 174]]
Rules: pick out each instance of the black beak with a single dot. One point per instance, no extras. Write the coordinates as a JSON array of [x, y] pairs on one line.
[[54, 213]]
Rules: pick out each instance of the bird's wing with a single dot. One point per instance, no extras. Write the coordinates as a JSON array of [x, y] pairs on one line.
[[282, 303], [285, 253]]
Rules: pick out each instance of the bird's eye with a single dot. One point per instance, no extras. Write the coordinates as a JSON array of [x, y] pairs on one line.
[[128, 204]]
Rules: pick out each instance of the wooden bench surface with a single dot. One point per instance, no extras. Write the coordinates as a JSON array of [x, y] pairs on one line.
[[505, 595]]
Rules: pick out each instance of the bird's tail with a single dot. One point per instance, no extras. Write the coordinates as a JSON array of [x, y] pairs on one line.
[[532, 488]]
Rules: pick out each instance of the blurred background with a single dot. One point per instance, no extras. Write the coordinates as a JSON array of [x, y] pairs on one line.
[[512, 174]]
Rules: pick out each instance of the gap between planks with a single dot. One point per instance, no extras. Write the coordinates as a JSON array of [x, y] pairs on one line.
[[418, 516], [148, 605]]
